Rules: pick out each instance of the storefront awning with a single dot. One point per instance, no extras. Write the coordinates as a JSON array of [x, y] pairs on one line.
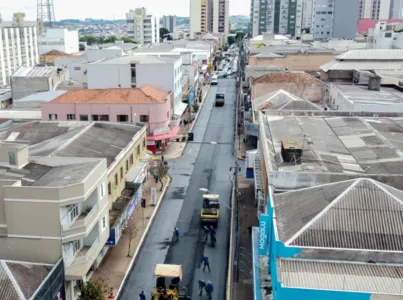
[[172, 134], [180, 108]]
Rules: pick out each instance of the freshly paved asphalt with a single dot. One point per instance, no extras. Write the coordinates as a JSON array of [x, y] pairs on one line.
[[203, 165]]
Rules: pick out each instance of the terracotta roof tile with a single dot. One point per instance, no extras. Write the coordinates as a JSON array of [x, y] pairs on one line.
[[143, 95], [286, 77], [56, 53]]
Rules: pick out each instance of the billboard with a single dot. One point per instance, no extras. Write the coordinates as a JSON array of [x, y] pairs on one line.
[[191, 96], [264, 223]]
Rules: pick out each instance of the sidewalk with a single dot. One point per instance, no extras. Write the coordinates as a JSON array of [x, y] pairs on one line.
[[175, 149], [116, 263]]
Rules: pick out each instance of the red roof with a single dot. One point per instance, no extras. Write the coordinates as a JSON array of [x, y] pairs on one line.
[[365, 24], [172, 134]]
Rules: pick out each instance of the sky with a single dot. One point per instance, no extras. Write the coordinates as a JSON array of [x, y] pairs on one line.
[[81, 9]]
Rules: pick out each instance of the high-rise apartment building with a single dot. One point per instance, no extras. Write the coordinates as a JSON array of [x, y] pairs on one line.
[[169, 22], [396, 9], [261, 17], [142, 28], [306, 14], [201, 12], [220, 16], [18, 46], [288, 17], [377, 9], [335, 19]]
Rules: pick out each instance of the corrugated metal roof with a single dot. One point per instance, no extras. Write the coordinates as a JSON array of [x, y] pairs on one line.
[[372, 54], [341, 276], [366, 215], [34, 72], [281, 99], [362, 65]]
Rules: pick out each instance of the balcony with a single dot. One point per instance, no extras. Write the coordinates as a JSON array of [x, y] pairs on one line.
[[82, 224]]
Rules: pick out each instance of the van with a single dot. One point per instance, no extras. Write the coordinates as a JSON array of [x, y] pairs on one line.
[[214, 79]]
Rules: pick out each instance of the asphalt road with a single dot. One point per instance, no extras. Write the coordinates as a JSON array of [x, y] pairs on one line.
[[203, 165]]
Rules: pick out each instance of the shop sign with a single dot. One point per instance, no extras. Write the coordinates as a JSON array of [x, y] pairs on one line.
[[263, 234], [142, 174], [191, 96], [162, 130], [252, 129]]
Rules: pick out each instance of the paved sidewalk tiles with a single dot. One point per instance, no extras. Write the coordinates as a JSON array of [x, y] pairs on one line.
[[116, 263]]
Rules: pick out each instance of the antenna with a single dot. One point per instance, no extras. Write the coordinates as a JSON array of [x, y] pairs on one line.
[[45, 14]]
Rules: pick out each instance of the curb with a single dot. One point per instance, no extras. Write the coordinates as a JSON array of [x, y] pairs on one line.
[[140, 245]]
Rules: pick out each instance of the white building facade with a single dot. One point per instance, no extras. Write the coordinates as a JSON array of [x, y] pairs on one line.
[[306, 14], [220, 16], [18, 47], [169, 22], [377, 9], [201, 17], [261, 17], [142, 28], [60, 39]]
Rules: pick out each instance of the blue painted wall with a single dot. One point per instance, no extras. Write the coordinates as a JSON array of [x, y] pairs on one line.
[[301, 294]]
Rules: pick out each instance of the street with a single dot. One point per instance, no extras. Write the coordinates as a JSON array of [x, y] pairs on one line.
[[205, 163]]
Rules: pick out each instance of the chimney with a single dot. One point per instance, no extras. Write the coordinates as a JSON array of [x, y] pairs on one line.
[[291, 151], [374, 83]]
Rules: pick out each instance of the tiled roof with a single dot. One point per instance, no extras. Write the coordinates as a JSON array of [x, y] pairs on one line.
[[19, 281], [56, 53], [354, 214], [282, 100], [341, 276], [287, 77], [143, 95]]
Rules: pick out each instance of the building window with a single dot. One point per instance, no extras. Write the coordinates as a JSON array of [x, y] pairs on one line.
[[73, 212], [144, 143], [76, 246], [100, 117], [121, 173], [83, 117], [77, 68], [127, 165], [143, 118], [102, 190], [109, 189], [131, 159], [104, 222], [95, 117], [52, 116], [138, 150], [71, 117], [122, 118], [116, 179]]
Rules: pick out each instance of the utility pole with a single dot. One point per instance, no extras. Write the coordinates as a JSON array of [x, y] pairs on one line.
[[45, 14]]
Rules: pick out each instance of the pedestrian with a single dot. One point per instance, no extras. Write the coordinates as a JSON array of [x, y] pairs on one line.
[[206, 233], [202, 286], [206, 263], [212, 234], [209, 289], [176, 231], [142, 296]]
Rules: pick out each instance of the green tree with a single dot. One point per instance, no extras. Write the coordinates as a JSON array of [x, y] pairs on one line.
[[239, 35], [127, 40], [306, 30], [162, 172], [164, 33], [110, 39], [230, 40], [89, 39], [101, 40], [94, 290]]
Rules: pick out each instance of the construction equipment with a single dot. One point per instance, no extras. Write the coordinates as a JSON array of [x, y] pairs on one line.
[[210, 212], [174, 291]]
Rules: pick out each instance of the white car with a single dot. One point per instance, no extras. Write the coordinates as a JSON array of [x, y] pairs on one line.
[[214, 79]]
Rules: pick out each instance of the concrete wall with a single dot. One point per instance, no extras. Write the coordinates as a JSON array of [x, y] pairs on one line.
[[345, 22], [307, 294], [294, 62], [314, 92], [159, 113], [97, 54], [76, 67], [103, 76]]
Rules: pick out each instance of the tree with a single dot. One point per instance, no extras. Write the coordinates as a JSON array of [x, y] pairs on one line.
[[111, 39], [239, 35], [164, 33], [195, 107], [230, 40], [94, 290], [127, 40], [131, 233], [306, 30], [162, 172]]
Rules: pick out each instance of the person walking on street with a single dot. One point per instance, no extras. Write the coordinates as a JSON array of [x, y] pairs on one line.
[[176, 231], [206, 263], [209, 289], [206, 233], [202, 286], [142, 296]]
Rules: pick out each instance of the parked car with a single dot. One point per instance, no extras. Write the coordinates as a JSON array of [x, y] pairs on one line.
[[214, 79]]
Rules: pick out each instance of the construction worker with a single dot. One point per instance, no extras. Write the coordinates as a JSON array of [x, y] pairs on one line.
[[212, 232], [142, 296], [206, 263], [206, 233], [202, 286], [176, 231], [209, 289]]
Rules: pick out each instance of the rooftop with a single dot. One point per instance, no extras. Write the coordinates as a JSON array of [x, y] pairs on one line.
[[73, 139], [34, 72], [35, 100], [334, 146], [142, 59], [337, 65], [280, 100], [287, 77], [143, 95], [361, 94], [21, 279], [267, 55], [56, 53], [341, 276], [372, 54]]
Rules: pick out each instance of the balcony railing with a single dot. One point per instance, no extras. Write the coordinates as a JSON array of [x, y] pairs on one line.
[[86, 255]]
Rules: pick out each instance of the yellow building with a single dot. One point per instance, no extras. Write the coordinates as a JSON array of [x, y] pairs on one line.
[[49, 57]]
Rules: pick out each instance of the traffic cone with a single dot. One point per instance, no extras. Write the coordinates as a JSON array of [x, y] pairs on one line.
[[111, 296]]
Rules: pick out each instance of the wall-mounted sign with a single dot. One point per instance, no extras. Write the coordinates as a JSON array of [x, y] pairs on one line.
[[264, 223], [153, 196], [191, 96], [252, 129]]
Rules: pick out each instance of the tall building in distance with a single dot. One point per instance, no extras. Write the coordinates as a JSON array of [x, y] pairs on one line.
[[378, 9], [18, 46], [169, 22], [200, 16], [220, 16], [288, 17], [141, 27], [307, 14], [396, 9], [335, 19], [261, 17]]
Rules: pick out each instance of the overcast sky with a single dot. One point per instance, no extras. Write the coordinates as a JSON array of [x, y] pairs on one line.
[[80, 9]]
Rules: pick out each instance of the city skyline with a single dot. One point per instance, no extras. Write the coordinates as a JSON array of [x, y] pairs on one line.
[[90, 9]]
